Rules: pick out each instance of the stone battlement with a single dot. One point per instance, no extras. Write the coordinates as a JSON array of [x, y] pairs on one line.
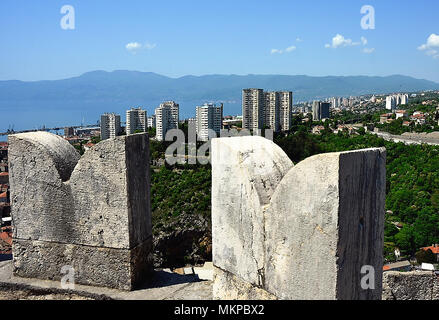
[[90, 213], [279, 231], [295, 232]]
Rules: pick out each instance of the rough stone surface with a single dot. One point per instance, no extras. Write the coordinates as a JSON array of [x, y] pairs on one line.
[[245, 173], [67, 211], [92, 265], [415, 285], [300, 232], [227, 286]]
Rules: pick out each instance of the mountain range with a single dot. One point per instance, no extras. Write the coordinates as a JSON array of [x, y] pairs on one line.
[[99, 91]]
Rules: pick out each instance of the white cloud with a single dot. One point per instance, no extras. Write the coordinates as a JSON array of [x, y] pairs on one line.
[[368, 50], [150, 46], [341, 41], [432, 42], [133, 46], [289, 49], [363, 41], [299, 40]]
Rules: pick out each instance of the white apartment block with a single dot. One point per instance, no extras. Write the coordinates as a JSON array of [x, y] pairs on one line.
[[334, 102], [286, 110], [167, 116], [390, 102], [136, 120], [151, 121], [110, 126], [209, 117], [253, 109], [404, 98], [395, 100], [270, 109]]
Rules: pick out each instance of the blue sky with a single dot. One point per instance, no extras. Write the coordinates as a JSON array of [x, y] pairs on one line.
[[178, 38]]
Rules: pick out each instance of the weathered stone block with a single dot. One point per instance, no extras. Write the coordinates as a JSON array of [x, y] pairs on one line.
[[92, 212], [300, 232]]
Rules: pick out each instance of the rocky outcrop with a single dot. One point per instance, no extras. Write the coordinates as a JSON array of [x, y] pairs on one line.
[[296, 232], [187, 239], [91, 213]]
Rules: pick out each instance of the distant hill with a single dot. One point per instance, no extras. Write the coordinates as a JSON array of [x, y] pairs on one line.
[[100, 91], [132, 85]]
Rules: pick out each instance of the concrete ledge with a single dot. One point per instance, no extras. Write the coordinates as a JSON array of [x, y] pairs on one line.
[[163, 285], [107, 267]]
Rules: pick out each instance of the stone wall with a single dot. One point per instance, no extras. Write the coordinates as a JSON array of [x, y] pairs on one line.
[[92, 213], [295, 232], [415, 285]]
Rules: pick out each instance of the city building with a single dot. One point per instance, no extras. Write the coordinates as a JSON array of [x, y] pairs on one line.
[[267, 109], [401, 114], [404, 98], [320, 110], [136, 120], [253, 109], [335, 102], [395, 100], [110, 126], [151, 121], [69, 132], [272, 110], [167, 117], [390, 102], [286, 110], [209, 117]]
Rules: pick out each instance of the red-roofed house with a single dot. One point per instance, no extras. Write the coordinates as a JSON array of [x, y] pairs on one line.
[[434, 248], [386, 118], [418, 118], [401, 114]]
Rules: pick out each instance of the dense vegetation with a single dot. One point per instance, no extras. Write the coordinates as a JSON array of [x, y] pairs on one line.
[[412, 197], [180, 190]]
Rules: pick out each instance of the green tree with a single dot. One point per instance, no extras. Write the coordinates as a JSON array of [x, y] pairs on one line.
[[425, 256]]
